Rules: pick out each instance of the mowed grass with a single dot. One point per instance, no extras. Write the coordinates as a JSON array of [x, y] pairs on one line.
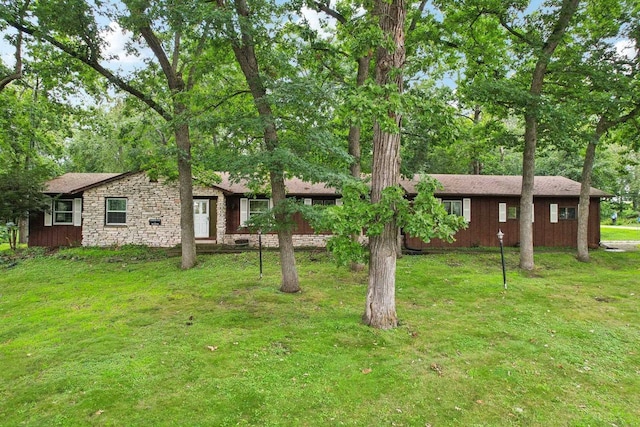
[[90, 337], [614, 232]]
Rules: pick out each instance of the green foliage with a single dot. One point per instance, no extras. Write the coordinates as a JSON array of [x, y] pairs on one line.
[[266, 221], [21, 192], [422, 217], [4, 233], [426, 217]]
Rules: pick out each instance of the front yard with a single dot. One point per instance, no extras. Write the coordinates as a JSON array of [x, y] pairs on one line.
[[123, 337]]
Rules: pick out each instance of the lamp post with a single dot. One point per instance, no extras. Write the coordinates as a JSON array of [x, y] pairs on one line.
[[504, 273], [260, 250]]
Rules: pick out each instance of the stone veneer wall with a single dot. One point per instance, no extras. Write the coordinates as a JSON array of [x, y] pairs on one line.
[[145, 200], [271, 240]]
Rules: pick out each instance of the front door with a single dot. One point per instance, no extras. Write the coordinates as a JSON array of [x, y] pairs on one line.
[[201, 218]]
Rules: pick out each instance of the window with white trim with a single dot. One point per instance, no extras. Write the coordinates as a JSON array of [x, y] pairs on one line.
[[567, 213], [116, 211], [249, 207], [63, 212], [453, 207]]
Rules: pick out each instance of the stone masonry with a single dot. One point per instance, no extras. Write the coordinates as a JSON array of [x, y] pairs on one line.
[[270, 240], [146, 200]]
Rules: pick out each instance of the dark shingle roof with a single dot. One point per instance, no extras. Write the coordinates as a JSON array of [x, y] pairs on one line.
[[498, 185], [453, 185], [295, 187], [71, 183]]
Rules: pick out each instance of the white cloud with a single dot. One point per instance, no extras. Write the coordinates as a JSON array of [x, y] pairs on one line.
[[117, 40], [7, 52], [626, 48], [319, 21]]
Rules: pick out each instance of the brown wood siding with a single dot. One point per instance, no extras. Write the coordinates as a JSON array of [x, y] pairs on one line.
[[485, 224], [233, 218], [54, 236]]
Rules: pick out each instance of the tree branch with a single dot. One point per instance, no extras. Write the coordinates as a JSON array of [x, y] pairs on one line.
[[17, 73], [94, 64], [414, 21], [154, 43], [324, 7], [17, 69], [199, 49], [176, 52], [513, 31]]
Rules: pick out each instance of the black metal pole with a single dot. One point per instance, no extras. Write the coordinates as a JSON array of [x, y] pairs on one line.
[[504, 272], [260, 250]]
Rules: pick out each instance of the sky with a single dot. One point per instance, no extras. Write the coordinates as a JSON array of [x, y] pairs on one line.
[[116, 40]]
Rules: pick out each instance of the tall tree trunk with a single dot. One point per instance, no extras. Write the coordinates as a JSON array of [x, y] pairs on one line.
[[526, 194], [245, 55], [355, 149], [585, 199], [380, 307], [567, 11], [476, 163], [185, 186], [290, 283], [180, 124]]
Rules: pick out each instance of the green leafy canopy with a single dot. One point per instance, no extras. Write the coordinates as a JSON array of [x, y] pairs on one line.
[[423, 217]]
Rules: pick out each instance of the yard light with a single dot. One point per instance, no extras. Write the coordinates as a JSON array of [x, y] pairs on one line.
[[260, 250], [504, 273]]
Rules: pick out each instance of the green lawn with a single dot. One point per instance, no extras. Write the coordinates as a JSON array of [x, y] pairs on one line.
[[125, 338], [615, 232]]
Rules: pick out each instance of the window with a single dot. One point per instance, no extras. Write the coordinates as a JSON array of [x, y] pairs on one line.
[[258, 206], [512, 212], [567, 213], [116, 211], [63, 212], [453, 207], [250, 207]]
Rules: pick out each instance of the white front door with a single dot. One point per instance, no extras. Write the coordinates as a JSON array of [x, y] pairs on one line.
[[201, 218]]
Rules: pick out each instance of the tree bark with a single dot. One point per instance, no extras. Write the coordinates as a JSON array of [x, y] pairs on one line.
[[355, 149], [185, 186], [585, 181], [290, 283], [354, 131], [567, 11], [177, 87], [380, 307], [585, 199], [245, 55], [526, 194]]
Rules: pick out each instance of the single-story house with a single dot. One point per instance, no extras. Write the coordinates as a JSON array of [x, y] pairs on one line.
[[104, 209]]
